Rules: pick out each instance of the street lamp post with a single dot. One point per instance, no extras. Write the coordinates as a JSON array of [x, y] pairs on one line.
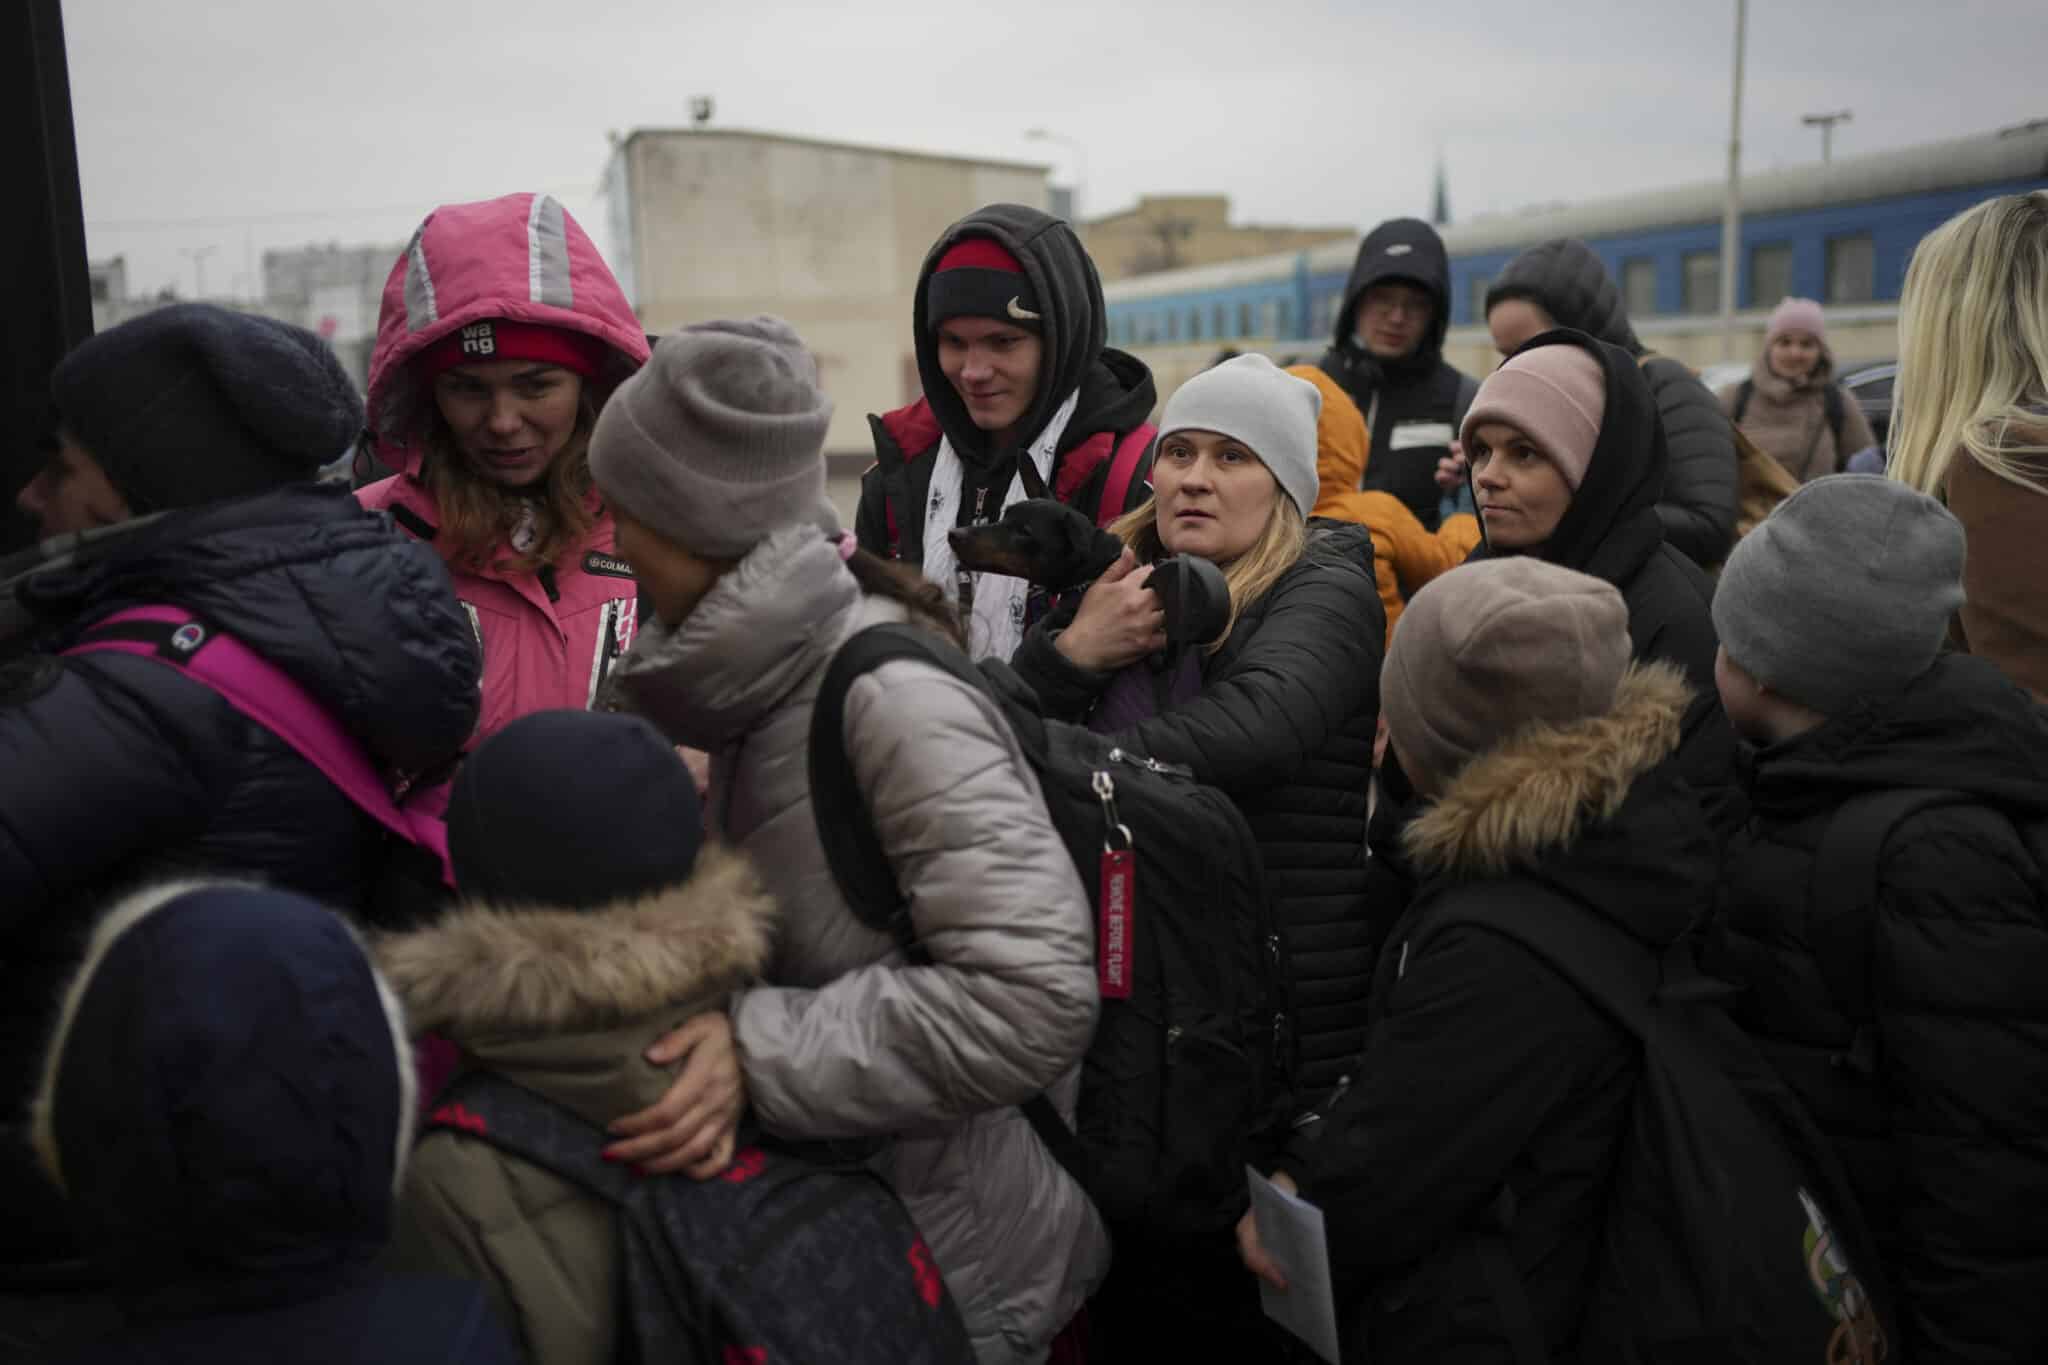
[[1826, 123], [1080, 160], [1731, 218]]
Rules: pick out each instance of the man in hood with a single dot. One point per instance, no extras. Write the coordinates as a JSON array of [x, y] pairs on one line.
[[1022, 398], [1388, 355]]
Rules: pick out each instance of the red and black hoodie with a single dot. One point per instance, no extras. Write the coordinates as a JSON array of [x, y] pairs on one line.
[[1117, 395]]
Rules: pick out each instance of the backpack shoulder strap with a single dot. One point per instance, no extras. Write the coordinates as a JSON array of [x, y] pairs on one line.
[[266, 694], [1743, 393], [1614, 971], [1842, 897], [1123, 472], [853, 850], [516, 1121], [1831, 403]]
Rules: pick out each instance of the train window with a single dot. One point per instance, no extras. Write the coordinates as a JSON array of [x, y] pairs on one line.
[[1195, 325], [1702, 281], [1220, 322], [1852, 269], [1477, 295], [1244, 320], [1639, 286], [1770, 274]]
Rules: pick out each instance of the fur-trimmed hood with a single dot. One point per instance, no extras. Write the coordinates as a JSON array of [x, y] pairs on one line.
[[490, 971], [1537, 793]]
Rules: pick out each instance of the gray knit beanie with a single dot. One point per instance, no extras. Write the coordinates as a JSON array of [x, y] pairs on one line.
[[1494, 646], [1846, 589], [1249, 399], [719, 439]]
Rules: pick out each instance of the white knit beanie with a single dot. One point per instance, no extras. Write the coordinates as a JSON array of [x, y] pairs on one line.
[[1249, 399]]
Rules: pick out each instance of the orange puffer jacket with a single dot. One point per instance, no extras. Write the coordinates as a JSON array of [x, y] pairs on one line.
[[1405, 556]]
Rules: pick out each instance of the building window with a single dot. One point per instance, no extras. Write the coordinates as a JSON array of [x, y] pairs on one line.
[[1852, 269], [1244, 320], [1639, 286], [1770, 274], [1477, 294], [101, 289], [1702, 282]]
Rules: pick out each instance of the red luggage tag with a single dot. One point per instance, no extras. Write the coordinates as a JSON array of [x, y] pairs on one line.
[[1115, 940]]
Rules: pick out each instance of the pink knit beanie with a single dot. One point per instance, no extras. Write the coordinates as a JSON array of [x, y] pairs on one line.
[[1555, 396], [1797, 315]]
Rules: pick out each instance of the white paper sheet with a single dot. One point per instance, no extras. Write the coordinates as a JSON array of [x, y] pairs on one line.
[[1291, 1230]]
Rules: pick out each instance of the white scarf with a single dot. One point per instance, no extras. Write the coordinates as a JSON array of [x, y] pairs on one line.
[[997, 625]]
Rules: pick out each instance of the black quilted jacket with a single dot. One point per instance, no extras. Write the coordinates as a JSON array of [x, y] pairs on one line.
[[1946, 1134], [1697, 505], [1284, 725], [116, 770]]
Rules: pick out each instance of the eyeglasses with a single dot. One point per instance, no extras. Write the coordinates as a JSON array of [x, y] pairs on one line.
[[1414, 305]]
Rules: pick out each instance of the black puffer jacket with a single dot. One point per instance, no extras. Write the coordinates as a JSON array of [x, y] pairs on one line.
[[1696, 500], [1485, 1069], [1946, 1139], [1284, 724], [1612, 531], [115, 769], [1416, 404]]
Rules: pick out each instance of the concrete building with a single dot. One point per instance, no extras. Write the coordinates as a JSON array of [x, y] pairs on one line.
[[333, 291], [1171, 232], [716, 222]]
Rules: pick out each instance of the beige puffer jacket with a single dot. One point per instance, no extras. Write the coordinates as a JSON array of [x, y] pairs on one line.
[[1789, 421], [844, 1040]]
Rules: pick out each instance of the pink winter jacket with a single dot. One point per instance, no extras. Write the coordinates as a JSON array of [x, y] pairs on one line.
[[548, 638]]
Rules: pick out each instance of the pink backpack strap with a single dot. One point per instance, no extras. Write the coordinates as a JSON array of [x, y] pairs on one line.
[[267, 695], [1123, 469]]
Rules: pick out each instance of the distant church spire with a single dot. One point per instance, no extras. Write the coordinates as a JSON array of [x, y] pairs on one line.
[[1440, 206]]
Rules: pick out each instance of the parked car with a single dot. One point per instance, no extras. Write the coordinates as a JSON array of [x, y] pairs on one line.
[[1869, 382]]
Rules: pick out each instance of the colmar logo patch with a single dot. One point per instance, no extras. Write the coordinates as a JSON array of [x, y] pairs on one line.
[[609, 566]]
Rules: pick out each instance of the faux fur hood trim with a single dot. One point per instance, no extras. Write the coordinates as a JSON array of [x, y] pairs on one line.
[[122, 916], [1535, 792], [486, 970]]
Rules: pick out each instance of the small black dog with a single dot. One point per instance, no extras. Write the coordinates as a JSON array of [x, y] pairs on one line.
[[1056, 547]]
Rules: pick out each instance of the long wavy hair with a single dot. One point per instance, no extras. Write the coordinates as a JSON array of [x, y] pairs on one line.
[[1251, 575], [477, 516], [1973, 347]]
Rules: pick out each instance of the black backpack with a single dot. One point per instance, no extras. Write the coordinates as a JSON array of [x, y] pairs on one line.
[[1731, 1234], [779, 1258], [1187, 1057]]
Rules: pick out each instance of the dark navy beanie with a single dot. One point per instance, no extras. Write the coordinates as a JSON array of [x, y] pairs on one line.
[[573, 810], [194, 403], [231, 1099]]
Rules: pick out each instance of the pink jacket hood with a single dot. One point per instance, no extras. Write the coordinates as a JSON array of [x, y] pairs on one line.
[[520, 256]]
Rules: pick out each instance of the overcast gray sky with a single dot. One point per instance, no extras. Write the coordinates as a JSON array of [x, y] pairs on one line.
[[267, 123]]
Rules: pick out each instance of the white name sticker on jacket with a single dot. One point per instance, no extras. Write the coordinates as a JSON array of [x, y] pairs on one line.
[[1409, 435]]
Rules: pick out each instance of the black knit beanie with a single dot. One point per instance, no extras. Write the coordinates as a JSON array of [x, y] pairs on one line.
[[194, 403], [572, 810]]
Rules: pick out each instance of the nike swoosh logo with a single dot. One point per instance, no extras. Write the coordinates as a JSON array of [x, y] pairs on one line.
[[1020, 312]]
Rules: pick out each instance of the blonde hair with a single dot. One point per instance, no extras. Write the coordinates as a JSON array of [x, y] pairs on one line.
[[477, 516], [1973, 345], [1252, 574]]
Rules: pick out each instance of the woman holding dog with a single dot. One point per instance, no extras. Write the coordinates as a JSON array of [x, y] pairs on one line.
[[1279, 713]]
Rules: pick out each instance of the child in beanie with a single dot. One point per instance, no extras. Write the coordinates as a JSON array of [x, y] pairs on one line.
[[591, 924], [1884, 905]]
